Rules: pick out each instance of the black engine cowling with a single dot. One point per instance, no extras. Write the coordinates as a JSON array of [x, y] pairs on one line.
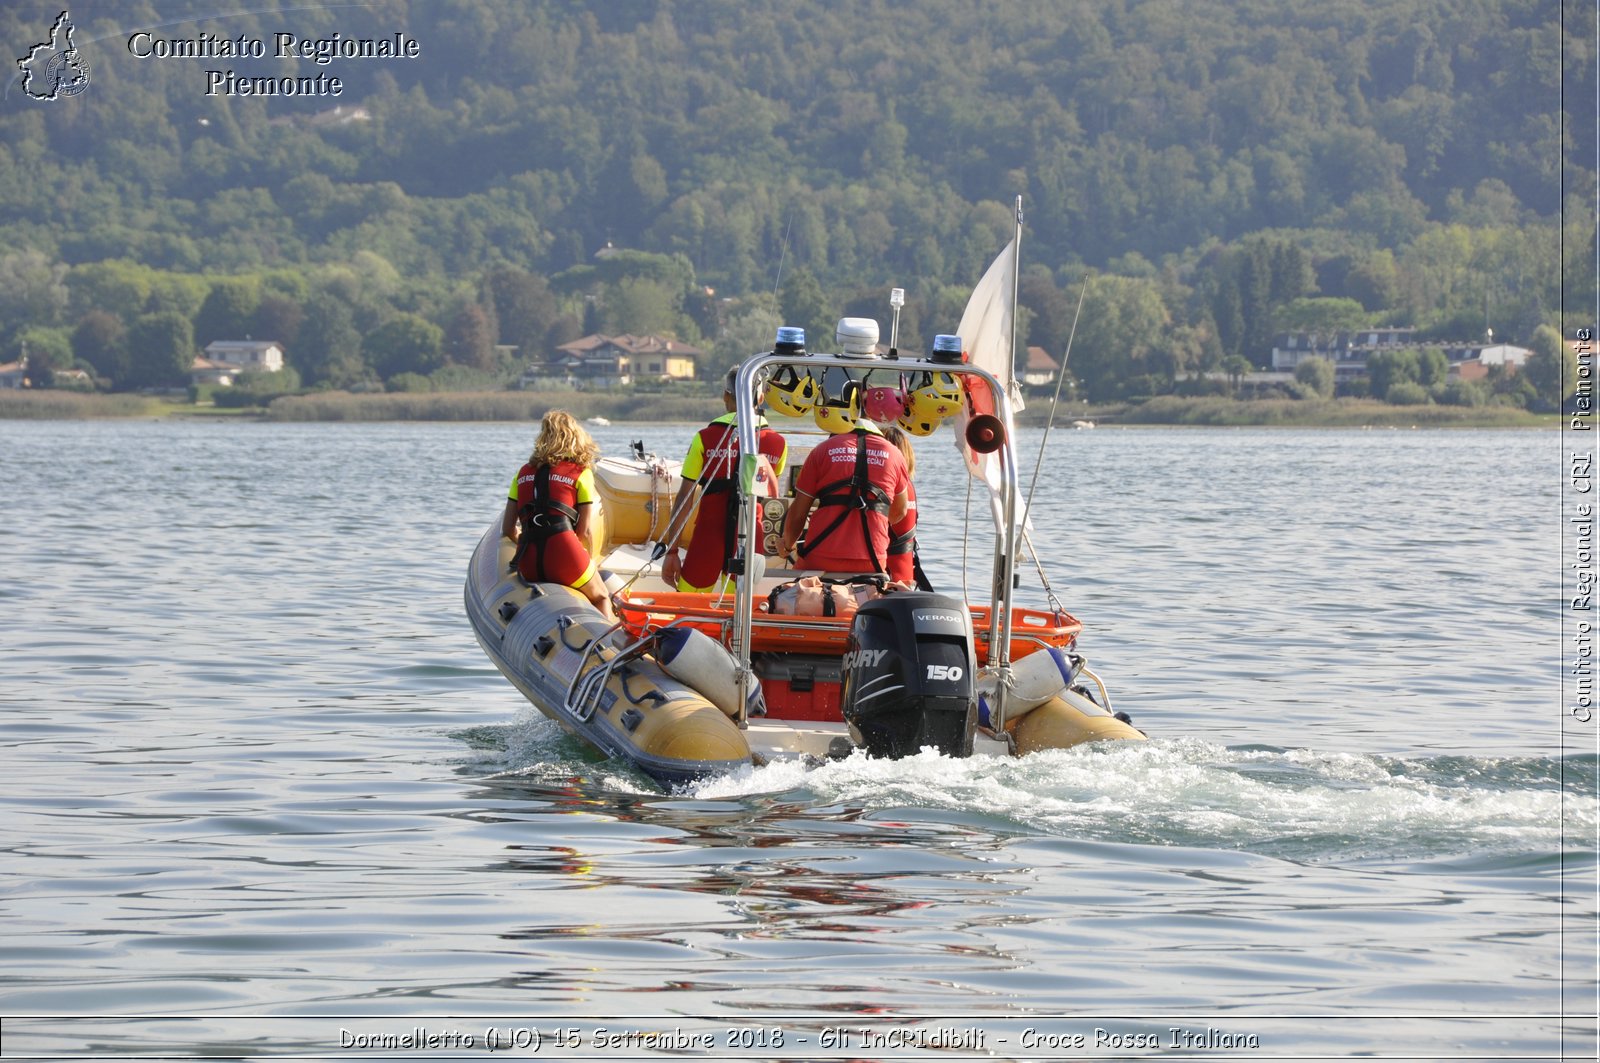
[[909, 676]]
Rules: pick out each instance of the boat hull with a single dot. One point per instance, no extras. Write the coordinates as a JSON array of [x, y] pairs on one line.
[[548, 640], [1068, 719], [636, 496], [540, 638]]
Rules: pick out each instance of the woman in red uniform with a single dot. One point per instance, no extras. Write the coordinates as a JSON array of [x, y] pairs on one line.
[[902, 562], [551, 497]]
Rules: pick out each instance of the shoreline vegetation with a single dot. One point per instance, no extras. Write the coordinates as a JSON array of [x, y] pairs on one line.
[[1207, 411]]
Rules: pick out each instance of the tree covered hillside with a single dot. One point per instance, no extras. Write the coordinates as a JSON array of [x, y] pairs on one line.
[[1412, 152]]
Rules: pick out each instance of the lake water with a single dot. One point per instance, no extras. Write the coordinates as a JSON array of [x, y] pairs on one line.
[[264, 794]]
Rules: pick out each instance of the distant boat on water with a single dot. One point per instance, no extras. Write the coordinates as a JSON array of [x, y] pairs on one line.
[[600, 421]]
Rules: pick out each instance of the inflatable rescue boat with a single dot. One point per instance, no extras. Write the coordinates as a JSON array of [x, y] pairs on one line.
[[686, 685]]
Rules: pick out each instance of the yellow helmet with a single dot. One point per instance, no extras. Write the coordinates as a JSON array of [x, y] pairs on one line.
[[938, 397], [917, 427], [791, 392], [839, 415]]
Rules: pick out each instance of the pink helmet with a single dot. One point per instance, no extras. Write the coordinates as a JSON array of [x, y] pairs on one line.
[[884, 405]]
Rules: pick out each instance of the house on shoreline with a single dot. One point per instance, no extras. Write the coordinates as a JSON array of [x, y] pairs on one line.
[[603, 362], [1349, 352], [1040, 371], [14, 375], [224, 361]]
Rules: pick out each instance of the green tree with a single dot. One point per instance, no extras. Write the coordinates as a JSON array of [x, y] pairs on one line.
[[1316, 374], [470, 338], [1052, 310], [101, 340], [414, 382], [1137, 132], [1511, 389], [160, 350], [1320, 315], [640, 307], [228, 311], [803, 304], [1387, 368], [1432, 367], [1250, 284], [32, 289], [47, 350], [1124, 323], [1552, 368], [1255, 300], [405, 343], [1458, 392], [259, 389], [1291, 272], [329, 346], [1236, 366], [1227, 311], [116, 287], [752, 327], [1373, 281], [647, 183], [177, 292], [523, 308], [1406, 393], [278, 318]]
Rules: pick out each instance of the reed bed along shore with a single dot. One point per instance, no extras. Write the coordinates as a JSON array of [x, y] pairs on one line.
[[1208, 411], [491, 406], [344, 406], [1321, 413], [75, 406]]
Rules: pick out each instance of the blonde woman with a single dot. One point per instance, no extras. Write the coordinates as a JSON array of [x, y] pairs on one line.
[[551, 497], [902, 563]]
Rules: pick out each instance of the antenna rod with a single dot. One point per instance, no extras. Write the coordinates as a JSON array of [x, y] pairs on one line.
[[783, 253]]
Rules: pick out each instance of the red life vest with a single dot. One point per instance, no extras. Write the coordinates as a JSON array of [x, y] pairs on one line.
[[548, 549], [716, 522], [861, 494], [903, 542]]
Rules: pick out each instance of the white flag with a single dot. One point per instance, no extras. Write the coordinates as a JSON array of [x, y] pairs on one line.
[[985, 328], [986, 335]]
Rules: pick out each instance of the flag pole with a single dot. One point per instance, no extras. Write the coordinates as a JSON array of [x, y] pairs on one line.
[[1004, 405], [1005, 574], [1016, 282]]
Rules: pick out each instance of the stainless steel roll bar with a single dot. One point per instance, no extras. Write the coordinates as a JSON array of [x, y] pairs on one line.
[[753, 371]]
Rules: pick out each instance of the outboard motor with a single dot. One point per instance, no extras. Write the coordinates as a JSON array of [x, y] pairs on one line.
[[909, 676]]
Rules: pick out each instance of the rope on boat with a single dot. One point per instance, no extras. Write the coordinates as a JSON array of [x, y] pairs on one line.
[[1049, 426], [1038, 566], [654, 463], [966, 535], [674, 529]]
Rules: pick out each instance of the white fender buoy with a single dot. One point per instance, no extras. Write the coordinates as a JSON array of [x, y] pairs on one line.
[[695, 658], [1037, 678]]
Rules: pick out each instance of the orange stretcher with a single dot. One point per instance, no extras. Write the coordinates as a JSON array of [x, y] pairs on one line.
[[712, 614]]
